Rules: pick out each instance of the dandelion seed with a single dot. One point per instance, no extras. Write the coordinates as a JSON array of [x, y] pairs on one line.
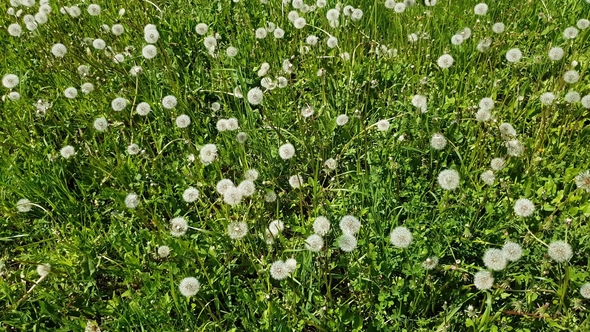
[[117, 29], [332, 14], [448, 179], [513, 55], [178, 226], [311, 40], [507, 129], [260, 33], [133, 149], [24, 205], [583, 24], [299, 23], [570, 33], [321, 3], [93, 9], [480, 9], [556, 54], [43, 269], [247, 187], [524, 207], [350, 225], [420, 101], [347, 242], [10, 81], [74, 11], [251, 174], [356, 15], [572, 97], [279, 270], [321, 226], [583, 180], [275, 227], [314, 243], [237, 230], [118, 104], [132, 200], [201, 29], [412, 38], [223, 185], [585, 291], [332, 42], [560, 251], [430, 263], [571, 76], [494, 259], [183, 121], [484, 45], [331, 164], [438, 141], [208, 153], [514, 148], [498, 27], [231, 51], [585, 101], [401, 237], [67, 151], [15, 30], [445, 61], [87, 88], [151, 36], [241, 137], [270, 196], [295, 181], [286, 151], [101, 124], [292, 16], [306, 111], [163, 251], [488, 177], [399, 7], [291, 265], [382, 125], [70, 93], [169, 102], [13, 95], [512, 251], [390, 4], [255, 96], [190, 194], [486, 104], [189, 286], [547, 98], [149, 51], [497, 163], [457, 39], [135, 70], [341, 120], [483, 280], [279, 33]]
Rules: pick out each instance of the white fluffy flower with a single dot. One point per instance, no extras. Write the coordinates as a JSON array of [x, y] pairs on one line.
[[445, 61], [10, 81], [513, 55], [556, 54], [23, 205], [494, 259], [143, 108], [247, 187], [183, 121], [101, 124], [497, 163], [201, 29], [43, 269], [524, 207], [498, 27], [67, 151], [382, 125], [189, 286], [342, 119], [420, 101], [350, 225], [560, 251], [449, 179], [59, 50], [512, 251], [190, 194], [255, 96], [480, 9], [169, 102], [296, 181], [149, 51], [118, 104], [547, 98], [279, 270], [488, 177], [132, 200], [483, 280], [347, 242], [178, 226], [321, 226], [286, 151], [208, 153], [237, 230], [401, 237], [163, 251], [438, 141], [314, 243]]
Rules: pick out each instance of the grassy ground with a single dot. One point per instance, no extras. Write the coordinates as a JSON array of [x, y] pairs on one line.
[[105, 267]]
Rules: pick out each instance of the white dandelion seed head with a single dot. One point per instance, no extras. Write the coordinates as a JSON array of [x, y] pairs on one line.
[[189, 286], [321, 3], [260, 33], [390, 4], [101, 124], [512, 251], [514, 148], [341, 120], [547, 98], [286, 151], [523, 207], [571, 76], [556, 54], [70, 93], [311, 40], [201, 29], [208, 153], [399, 7], [438, 141], [231, 51], [449, 179], [93, 9], [457, 39], [445, 61], [251, 174], [247, 187], [291, 264], [67, 151], [382, 125], [23, 205], [131, 200], [133, 149], [347, 242], [169, 102], [570, 33], [483, 280], [118, 104], [9, 81], [497, 163], [480, 9], [117, 29], [572, 97], [582, 180], [488, 177], [585, 290], [43, 269], [421, 102], [149, 51], [279, 270], [279, 33], [183, 121], [321, 226], [221, 125], [513, 55], [255, 96], [498, 27], [87, 88], [270, 196], [13, 95], [401, 237], [233, 196], [350, 225], [583, 24], [210, 43], [223, 185], [430, 263], [332, 42], [143, 108], [241, 137], [306, 111], [163, 251], [494, 259], [560, 251], [15, 30], [333, 14], [585, 101], [299, 23], [331, 163], [314, 243], [190, 194], [275, 227], [486, 104], [237, 230], [507, 129], [296, 181], [412, 38], [292, 16], [178, 226]]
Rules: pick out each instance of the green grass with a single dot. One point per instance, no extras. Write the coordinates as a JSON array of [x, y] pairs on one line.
[[103, 256]]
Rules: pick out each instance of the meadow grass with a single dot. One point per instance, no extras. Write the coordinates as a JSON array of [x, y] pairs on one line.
[[104, 239]]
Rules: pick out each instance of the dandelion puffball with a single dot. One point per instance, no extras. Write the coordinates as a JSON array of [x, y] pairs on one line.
[[178, 226], [190, 194], [189, 286], [401, 237], [445, 61], [483, 280], [494, 259], [560, 251], [286, 151], [449, 179], [255, 96], [237, 230], [524, 207]]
